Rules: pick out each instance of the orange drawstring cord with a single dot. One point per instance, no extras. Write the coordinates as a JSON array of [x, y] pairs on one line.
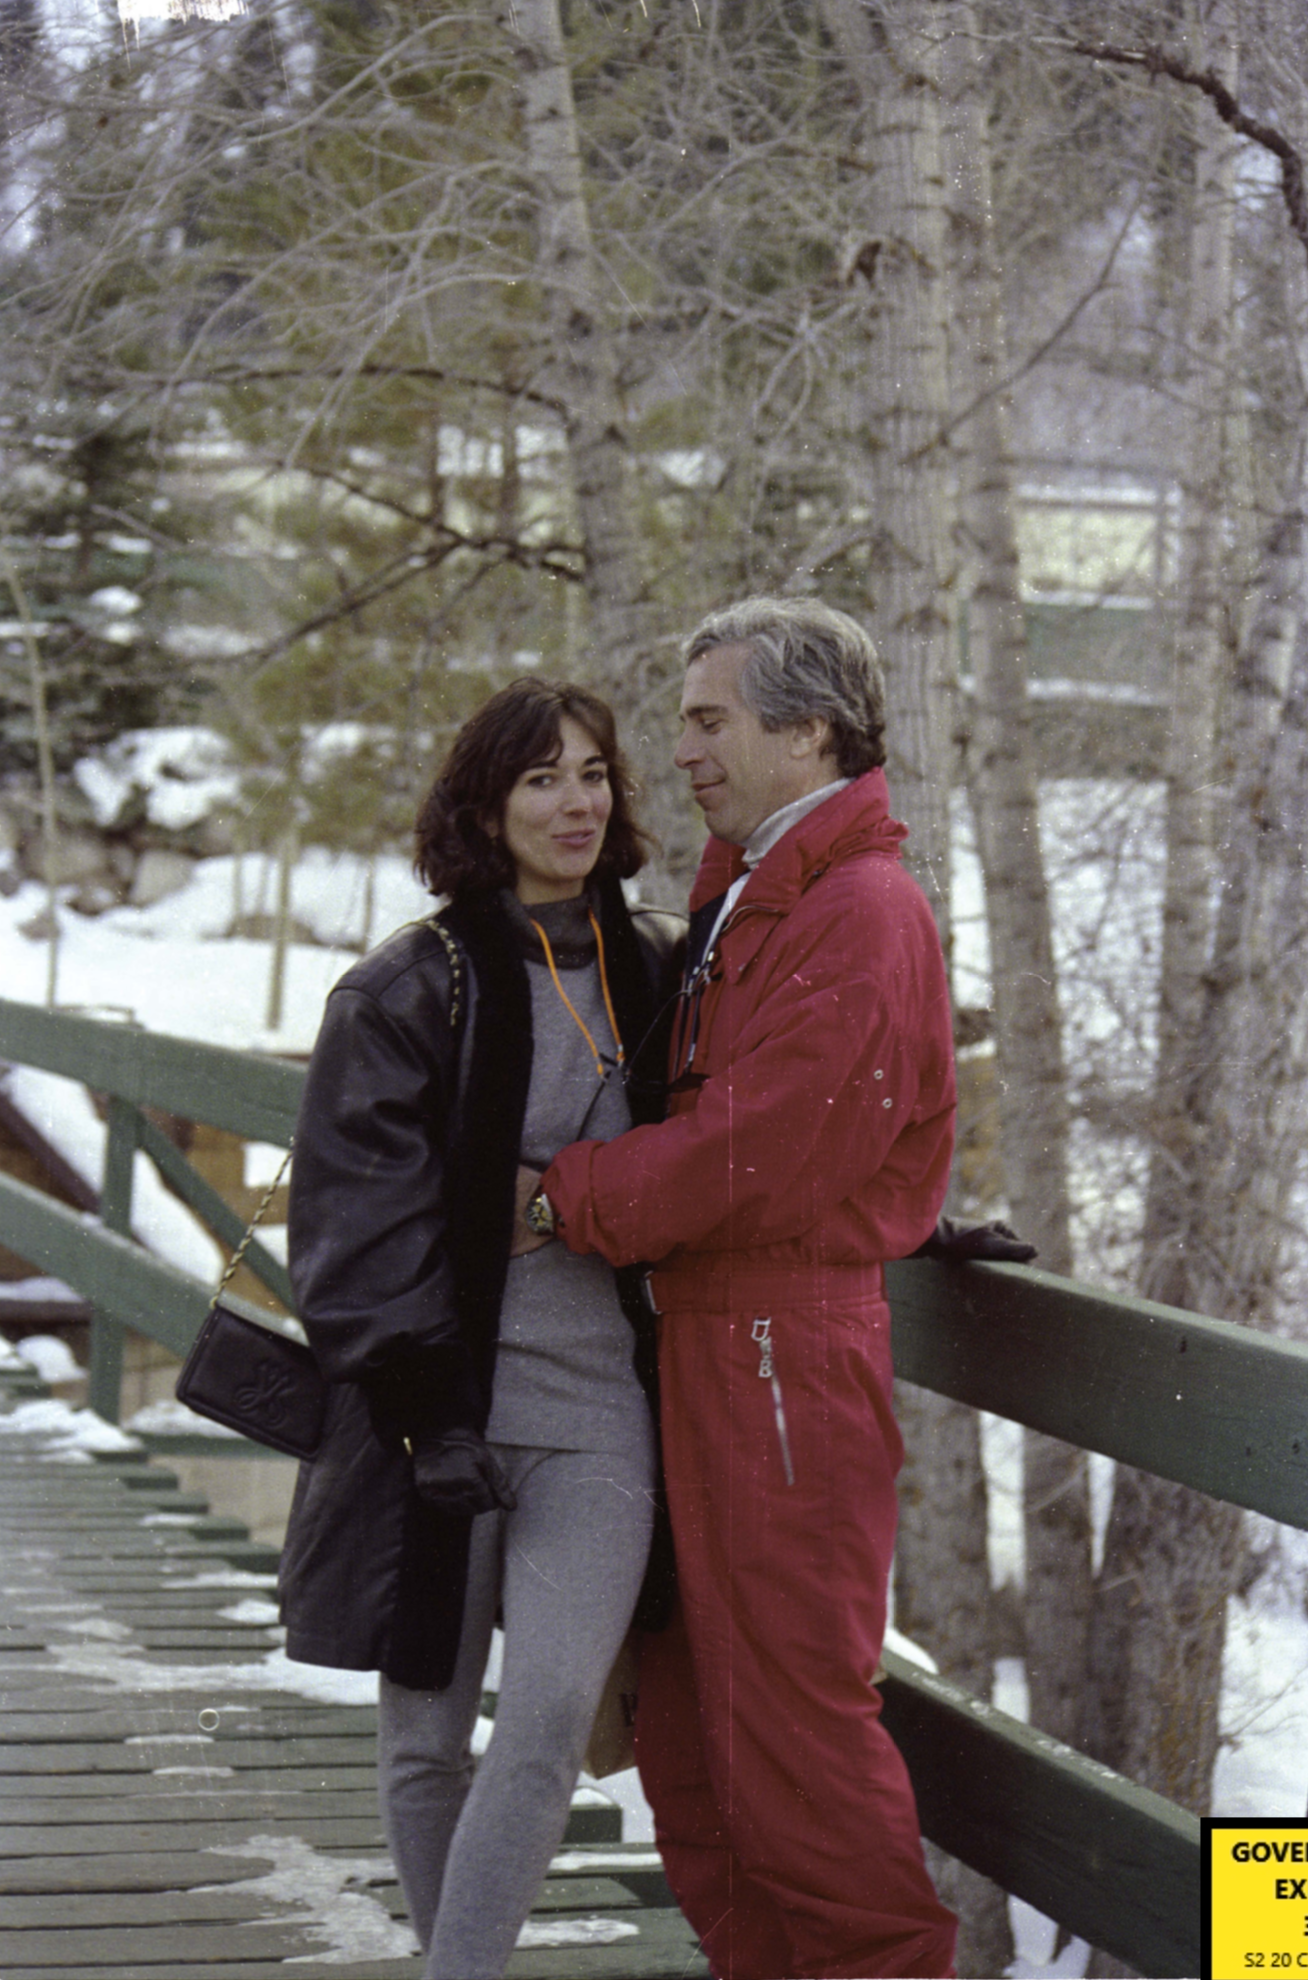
[[577, 1018]]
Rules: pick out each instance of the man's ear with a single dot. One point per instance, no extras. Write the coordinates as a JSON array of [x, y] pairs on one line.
[[810, 736]]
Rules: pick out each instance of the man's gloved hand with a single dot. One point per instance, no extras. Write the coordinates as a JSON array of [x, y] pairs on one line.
[[958, 1241], [458, 1472]]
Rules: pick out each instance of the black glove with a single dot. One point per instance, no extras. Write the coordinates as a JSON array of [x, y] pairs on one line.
[[457, 1472], [959, 1241]]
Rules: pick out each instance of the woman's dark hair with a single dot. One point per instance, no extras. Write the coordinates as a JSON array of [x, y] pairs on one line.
[[515, 730]]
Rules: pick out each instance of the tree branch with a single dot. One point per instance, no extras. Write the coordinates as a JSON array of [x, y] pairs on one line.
[[1042, 349], [1155, 63], [244, 374], [401, 570]]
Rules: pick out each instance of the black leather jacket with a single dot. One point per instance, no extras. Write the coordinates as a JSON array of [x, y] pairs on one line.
[[406, 1154]]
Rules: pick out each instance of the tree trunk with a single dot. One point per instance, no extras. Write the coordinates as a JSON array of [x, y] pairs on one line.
[[618, 644], [1171, 1557], [942, 1579], [1001, 774], [582, 359], [1201, 622], [904, 405]]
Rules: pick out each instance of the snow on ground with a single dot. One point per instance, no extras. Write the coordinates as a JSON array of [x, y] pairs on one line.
[[52, 1358], [74, 1435], [184, 774], [169, 968], [125, 1666], [62, 1110], [326, 1896], [190, 987], [252, 1609], [576, 1931], [172, 967], [170, 1418], [37, 1288], [1262, 1768], [329, 895]]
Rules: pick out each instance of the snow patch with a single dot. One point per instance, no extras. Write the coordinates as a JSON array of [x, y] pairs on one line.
[[61, 1109], [169, 1739], [182, 773], [251, 1610], [39, 1288], [912, 1653], [625, 1791], [52, 1358], [169, 1418], [65, 1432], [576, 1862], [128, 1667], [1261, 1765], [329, 1899], [100, 1627], [593, 1931], [1035, 1936], [228, 1578]]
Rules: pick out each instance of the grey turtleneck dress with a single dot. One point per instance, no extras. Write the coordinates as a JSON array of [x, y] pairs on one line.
[[570, 1424]]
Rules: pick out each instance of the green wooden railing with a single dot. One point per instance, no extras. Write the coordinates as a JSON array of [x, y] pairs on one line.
[[1211, 1405], [134, 1069]]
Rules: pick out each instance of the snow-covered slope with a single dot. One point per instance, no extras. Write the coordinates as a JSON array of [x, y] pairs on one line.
[[168, 967]]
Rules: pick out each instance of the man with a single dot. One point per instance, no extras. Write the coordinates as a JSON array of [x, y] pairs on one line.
[[808, 1140]]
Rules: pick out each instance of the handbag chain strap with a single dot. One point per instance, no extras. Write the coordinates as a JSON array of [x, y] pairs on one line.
[[456, 1011], [250, 1229]]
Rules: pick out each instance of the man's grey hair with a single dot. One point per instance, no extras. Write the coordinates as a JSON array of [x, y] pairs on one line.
[[805, 659]]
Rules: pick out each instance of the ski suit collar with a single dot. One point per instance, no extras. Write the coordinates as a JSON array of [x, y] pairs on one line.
[[855, 820]]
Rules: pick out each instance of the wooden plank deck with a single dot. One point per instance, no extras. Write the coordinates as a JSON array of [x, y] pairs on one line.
[[169, 1810]]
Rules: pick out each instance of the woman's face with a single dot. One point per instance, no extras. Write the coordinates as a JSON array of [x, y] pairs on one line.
[[555, 818]]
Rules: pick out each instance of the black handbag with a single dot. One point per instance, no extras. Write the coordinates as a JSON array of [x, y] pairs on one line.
[[251, 1379], [263, 1384]]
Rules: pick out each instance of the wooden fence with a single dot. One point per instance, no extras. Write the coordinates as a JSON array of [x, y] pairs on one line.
[[1212, 1405]]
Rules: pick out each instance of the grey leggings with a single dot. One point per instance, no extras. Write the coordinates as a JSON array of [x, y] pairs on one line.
[[566, 1566]]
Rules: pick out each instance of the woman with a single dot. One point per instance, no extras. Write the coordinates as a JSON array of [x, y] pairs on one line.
[[489, 1448]]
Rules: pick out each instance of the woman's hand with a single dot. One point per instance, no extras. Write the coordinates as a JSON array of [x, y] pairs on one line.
[[459, 1473], [524, 1240]]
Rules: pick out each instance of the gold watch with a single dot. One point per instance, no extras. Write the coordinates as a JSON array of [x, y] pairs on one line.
[[539, 1215]]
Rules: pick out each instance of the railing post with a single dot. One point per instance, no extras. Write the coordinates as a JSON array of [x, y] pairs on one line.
[[106, 1375]]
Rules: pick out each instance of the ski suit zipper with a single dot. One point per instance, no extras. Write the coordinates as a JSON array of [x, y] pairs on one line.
[[762, 1336]]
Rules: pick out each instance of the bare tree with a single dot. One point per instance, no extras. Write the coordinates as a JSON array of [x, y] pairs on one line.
[[1001, 776], [902, 407], [581, 369], [1229, 1102]]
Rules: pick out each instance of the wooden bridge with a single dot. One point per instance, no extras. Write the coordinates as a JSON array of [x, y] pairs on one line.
[[168, 1808], [210, 1871]]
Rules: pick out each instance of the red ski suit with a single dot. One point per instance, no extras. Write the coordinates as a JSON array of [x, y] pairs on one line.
[[809, 1140]]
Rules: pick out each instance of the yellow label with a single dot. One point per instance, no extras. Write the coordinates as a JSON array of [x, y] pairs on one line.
[[1255, 1892]]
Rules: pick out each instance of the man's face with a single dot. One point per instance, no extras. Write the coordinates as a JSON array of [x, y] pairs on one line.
[[739, 773]]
